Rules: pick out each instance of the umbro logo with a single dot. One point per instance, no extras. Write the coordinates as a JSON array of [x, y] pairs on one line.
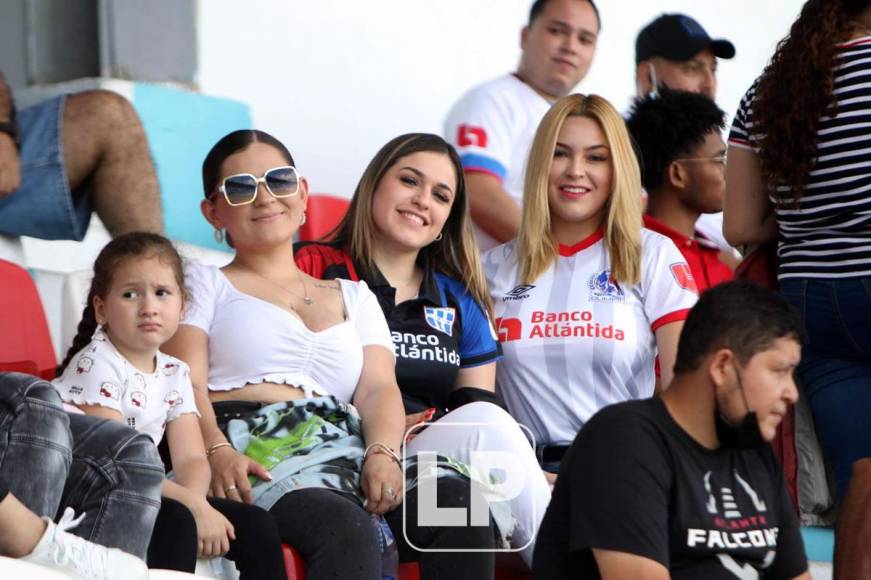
[[518, 292]]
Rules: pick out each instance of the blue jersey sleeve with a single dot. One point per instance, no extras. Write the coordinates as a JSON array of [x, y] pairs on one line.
[[478, 343]]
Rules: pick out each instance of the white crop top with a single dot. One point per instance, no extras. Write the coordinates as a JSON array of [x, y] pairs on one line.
[[254, 341]]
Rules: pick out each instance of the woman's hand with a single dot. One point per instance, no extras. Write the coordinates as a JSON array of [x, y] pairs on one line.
[[214, 531], [230, 471], [382, 481]]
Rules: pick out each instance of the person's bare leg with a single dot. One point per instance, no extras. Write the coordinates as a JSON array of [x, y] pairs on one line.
[[104, 143], [853, 535], [20, 528]]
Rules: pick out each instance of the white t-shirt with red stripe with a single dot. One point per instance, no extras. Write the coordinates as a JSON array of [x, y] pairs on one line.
[[492, 128], [574, 341]]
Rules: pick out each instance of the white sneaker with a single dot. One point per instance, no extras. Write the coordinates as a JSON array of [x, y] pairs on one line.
[[80, 559]]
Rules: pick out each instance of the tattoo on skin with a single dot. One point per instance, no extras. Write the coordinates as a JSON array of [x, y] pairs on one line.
[[324, 285]]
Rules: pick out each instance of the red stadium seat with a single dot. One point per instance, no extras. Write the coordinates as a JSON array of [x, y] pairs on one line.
[[295, 566], [293, 563], [25, 342], [505, 574], [408, 571], [324, 212]]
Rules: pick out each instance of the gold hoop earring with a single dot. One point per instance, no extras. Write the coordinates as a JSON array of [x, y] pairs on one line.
[[438, 238], [219, 235]]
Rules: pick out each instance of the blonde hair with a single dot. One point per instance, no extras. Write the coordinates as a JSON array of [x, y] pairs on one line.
[[537, 247], [456, 254]]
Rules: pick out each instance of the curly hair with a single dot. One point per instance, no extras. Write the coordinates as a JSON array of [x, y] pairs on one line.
[[796, 90], [740, 316], [669, 126]]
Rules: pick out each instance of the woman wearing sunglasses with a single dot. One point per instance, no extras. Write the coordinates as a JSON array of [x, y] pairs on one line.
[[277, 359], [408, 235]]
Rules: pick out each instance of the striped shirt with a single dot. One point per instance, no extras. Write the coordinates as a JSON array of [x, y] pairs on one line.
[[828, 235]]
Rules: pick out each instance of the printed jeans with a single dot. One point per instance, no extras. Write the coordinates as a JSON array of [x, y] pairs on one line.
[[52, 460]]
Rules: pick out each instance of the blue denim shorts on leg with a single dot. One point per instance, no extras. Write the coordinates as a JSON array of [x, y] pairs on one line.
[[43, 206]]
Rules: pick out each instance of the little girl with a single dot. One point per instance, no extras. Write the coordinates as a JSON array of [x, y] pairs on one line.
[[115, 370]]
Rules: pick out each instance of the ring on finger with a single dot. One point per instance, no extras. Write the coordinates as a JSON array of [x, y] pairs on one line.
[[389, 491], [229, 489]]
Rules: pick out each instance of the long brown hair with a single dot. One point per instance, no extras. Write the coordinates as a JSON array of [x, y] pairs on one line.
[[536, 246], [124, 247], [455, 254], [796, 90]]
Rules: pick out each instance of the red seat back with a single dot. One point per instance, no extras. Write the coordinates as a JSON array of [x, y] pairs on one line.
[[293, 563], [295, 568], [324, 212], [24, 334]]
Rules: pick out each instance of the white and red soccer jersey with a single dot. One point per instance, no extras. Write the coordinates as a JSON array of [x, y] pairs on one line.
[[575, 341], [492, 128]]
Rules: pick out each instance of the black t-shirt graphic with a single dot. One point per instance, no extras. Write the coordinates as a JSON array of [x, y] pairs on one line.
[[634, 481]]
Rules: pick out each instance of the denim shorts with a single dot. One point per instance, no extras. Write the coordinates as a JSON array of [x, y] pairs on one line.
[[43, 206]]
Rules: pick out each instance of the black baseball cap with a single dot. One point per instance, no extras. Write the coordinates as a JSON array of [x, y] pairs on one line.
[[678, 37]]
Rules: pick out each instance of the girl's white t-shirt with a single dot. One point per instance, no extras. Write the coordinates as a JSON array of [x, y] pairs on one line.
[[100, 375]]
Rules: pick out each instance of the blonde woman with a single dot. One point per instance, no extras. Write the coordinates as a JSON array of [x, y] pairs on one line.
[[585, 298]]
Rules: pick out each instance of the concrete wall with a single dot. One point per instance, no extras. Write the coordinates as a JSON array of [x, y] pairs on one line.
[[52, 41], [336, 79]]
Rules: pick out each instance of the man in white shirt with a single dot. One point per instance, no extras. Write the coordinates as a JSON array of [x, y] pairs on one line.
[[493, 125]]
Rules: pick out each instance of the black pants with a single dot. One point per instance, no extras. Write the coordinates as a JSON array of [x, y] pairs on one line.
[[332, 533], [451, 492], [256, 551], [336, 538]]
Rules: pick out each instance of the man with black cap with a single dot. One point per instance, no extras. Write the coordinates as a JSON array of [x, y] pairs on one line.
[[674, 50]]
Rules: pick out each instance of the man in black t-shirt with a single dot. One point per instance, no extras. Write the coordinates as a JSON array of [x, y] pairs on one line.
[[685, 485]]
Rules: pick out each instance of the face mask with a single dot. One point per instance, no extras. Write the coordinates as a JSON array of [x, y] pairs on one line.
[[654, 83], [744, 435]]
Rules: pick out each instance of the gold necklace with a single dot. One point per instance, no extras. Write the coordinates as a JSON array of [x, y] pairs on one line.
[[305, 299], [308, 301]]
